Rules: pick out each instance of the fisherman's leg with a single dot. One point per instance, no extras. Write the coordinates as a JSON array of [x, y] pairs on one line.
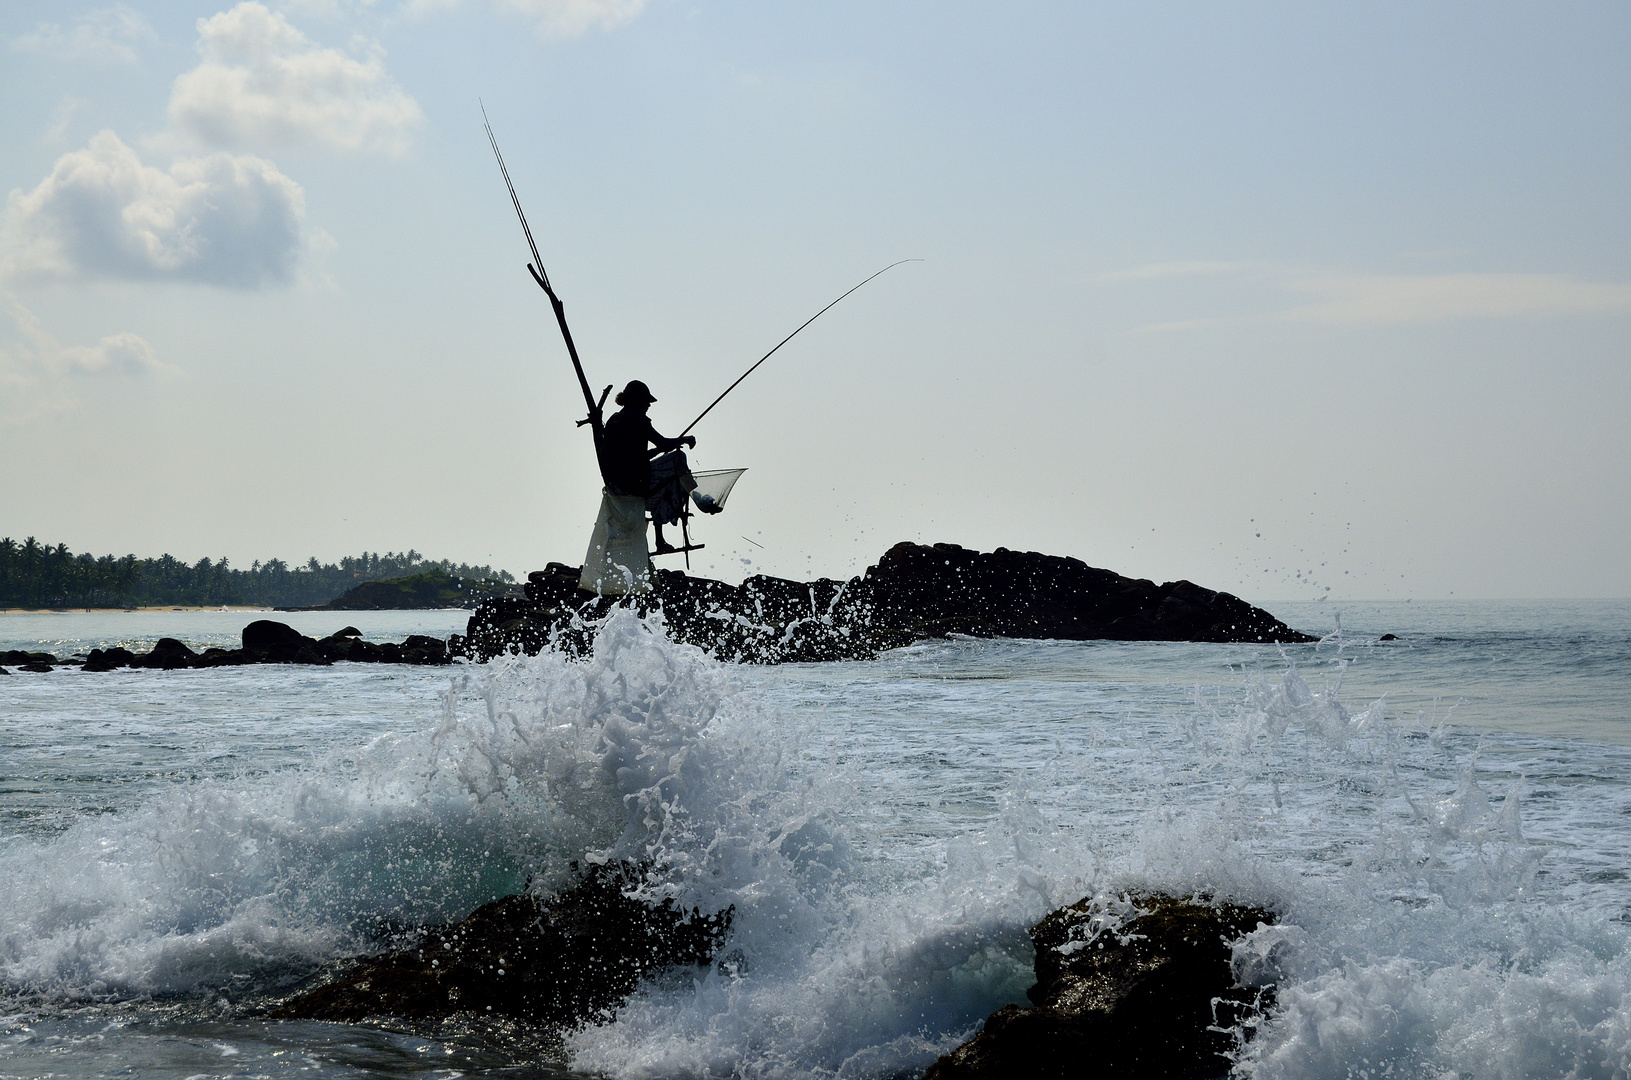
[[662, 545]]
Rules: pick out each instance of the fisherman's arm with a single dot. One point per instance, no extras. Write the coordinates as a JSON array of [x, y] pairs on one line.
[[665, 445]]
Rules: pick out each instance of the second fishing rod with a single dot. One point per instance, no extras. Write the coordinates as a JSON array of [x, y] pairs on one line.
[[539, 275]]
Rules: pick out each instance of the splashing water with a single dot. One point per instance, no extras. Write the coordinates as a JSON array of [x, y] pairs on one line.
[[886, 834]]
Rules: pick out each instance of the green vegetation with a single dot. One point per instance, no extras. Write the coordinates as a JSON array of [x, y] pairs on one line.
[[35, 576], [433, 589]]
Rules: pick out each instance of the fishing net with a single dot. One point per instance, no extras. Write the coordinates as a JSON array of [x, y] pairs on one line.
[[713, 488]]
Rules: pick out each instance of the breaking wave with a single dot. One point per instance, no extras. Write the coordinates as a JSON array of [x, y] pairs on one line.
[[885, 849]]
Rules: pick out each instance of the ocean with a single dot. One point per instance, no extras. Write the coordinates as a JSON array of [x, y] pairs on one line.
[[1443, 822]]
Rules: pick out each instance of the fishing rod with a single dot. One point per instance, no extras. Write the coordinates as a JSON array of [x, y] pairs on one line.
[[541, 276], [779, 344]]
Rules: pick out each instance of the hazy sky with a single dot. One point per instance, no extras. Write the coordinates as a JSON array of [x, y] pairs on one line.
[[1277, 298]]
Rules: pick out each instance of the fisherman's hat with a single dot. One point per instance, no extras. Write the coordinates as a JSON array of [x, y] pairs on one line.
[[635, 391]]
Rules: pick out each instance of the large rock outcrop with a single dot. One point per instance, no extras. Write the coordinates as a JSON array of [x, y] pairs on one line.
[[552, 963], [913, 593], [1151, 996]]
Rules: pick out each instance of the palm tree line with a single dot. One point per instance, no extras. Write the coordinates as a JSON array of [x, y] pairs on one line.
[[36, 575]]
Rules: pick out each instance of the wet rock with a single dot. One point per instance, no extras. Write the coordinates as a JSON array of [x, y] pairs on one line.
[[37, 666], [347, 632], [1388, 637], [108, 659], [556, 962], [1141, 988]]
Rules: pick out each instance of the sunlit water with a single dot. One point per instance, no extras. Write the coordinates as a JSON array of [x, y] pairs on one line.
[[1443, 821]]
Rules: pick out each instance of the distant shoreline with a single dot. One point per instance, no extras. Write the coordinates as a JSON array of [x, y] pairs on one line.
[[122, 611], [175, 607]]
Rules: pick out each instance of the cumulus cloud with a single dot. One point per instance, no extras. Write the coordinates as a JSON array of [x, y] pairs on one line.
[[264, 83], [555, 18], [107, 35], [39, 373], [220, 219]]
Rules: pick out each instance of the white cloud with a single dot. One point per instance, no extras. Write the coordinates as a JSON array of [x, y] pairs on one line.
[[106, 35], [554, 18], [219, 219], [38, 373], [1410, 298], [264, 83]]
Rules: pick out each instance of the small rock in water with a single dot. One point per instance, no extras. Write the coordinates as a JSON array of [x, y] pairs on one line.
[[566, 960], [1141, 996]]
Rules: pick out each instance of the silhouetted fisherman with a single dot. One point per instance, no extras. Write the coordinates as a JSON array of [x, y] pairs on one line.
[[630, 468]]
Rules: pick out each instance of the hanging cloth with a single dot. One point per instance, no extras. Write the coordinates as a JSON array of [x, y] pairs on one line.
[[618, 563]]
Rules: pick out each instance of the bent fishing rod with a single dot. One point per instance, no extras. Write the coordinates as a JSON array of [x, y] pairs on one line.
[[536, 269], [541, 276], [779, 344]]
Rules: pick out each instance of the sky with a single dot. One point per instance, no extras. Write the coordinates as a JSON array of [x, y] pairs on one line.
[[1292, 300]]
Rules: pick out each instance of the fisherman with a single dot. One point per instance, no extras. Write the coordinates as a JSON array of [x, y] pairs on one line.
[[631, 470]]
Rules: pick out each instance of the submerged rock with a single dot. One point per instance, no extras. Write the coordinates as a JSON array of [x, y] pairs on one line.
[[18, 657], [913, 593], [266, 641], [1145, 991], [556, 963]]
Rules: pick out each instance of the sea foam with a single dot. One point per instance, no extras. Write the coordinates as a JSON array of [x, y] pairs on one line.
[[884, 845]]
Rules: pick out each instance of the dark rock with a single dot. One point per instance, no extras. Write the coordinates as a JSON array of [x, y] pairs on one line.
[[347, 632], [272, 638], [1149, 997], [38, 666], [168, 654], [1388, 637], [555, 963]]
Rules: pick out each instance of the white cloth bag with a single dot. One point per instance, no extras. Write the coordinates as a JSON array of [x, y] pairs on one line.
[[618, 562]]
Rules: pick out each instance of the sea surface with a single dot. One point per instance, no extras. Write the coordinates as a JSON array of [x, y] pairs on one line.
[[1443, 822]]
